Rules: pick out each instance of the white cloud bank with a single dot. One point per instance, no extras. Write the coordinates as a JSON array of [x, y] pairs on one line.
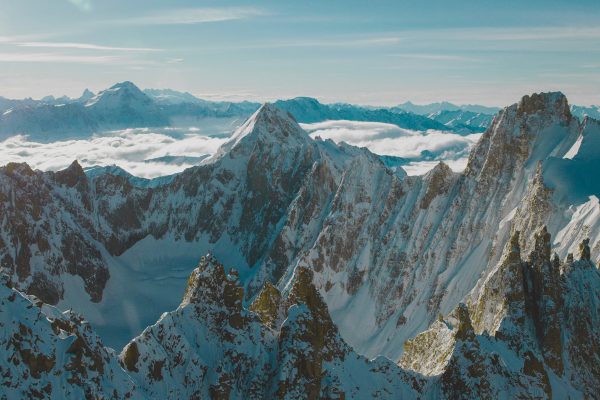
[[129, 149], [425, 148], [135, 149]]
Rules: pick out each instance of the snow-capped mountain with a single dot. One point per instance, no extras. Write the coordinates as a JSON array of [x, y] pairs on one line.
[[170, 97], [121, 106], [86, 96], [287, 347], [387, 252], [124, 105], [530, 332]]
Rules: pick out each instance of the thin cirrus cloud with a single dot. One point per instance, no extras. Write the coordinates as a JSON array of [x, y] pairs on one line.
[[434, 57], [504, 34], [84, 46], [56, 58], [193, 16]]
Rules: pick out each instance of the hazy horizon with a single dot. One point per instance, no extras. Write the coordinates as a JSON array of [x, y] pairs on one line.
[[216, 97]]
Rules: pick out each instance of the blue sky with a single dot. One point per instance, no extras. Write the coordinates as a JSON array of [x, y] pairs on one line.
[[369, 52]]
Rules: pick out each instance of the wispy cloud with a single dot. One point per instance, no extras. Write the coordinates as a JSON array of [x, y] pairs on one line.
[[192, 16], [349, 41], [505, 34], [83, 46], [534, 33], [55, 58], [433, 56]]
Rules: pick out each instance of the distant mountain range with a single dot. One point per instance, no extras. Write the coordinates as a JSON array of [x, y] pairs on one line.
[[308, 110], [124, 105], [426, 109]]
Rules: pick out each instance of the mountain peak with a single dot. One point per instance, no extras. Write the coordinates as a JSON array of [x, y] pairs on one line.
[[86, 95], [269, 124], [210, 282], [125, 85], [546, 103], [270, 111], [72, 175], [118, 93]]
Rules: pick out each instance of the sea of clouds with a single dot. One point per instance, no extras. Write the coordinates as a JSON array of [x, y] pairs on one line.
[[422, 149], [137, 150]]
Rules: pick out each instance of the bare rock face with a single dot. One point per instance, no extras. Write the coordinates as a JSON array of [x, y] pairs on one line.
[[267, 305], [438, 184]]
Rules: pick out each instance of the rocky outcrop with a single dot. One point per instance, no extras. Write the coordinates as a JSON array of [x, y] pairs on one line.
[[516, 337], [48, 354], [212, 347]]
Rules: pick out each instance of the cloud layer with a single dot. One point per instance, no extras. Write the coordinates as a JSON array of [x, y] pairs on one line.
[[137, 150], [425, 149], [129, 149]]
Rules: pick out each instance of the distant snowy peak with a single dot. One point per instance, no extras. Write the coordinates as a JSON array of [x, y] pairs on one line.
[[117, 95], [125, 105], [86, 96]]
